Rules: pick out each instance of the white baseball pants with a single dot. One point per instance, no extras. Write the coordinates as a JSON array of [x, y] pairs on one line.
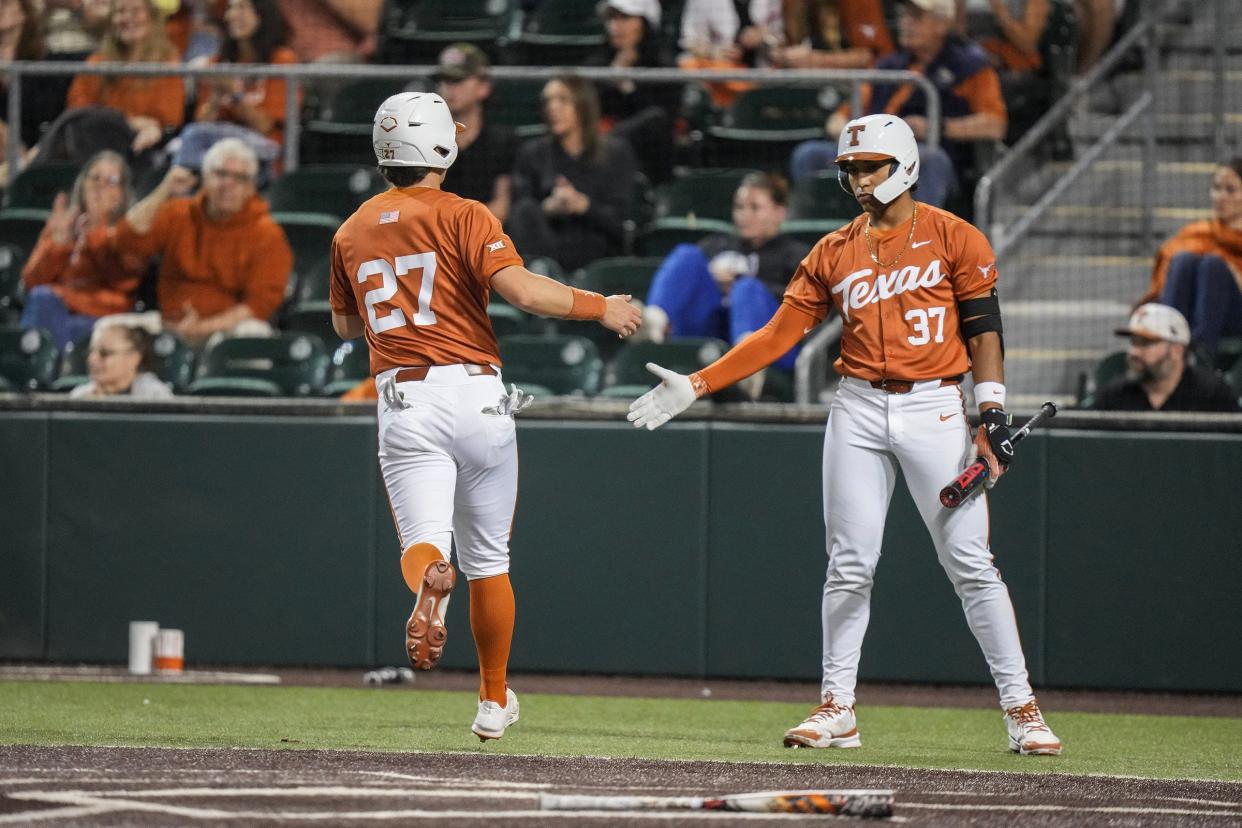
[[451, 471], [869, 435]]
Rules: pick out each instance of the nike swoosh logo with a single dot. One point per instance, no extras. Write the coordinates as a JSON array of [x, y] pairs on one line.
[[944, 417], [806, 331], [920, 244]]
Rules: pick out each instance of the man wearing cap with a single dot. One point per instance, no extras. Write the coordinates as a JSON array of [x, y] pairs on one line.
[[971, 105], [1157, 377], [487, 150]]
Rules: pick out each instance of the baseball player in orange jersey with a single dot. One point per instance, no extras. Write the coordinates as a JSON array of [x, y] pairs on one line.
[[411, 271], [915, 288]]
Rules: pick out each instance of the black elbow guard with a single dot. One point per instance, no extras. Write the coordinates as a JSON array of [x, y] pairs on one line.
[[980, 315]]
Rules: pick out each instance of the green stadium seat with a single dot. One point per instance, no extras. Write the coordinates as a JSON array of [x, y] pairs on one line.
[[12, 260], [561, 33], [332, 189], [351, 364], [620, 274], [563, 365], [517, 104], [288, 365], [627, 377], [28, 358], [821, 197], [37, 186], [509, 321], [811, 230], [699, 194], [311, 311], [342, 129], [310, 237], [432, 25], [666, 234], [782, 114], [1106, 370], [73, 369], [21, 226], [174, 361], [1228, 351]]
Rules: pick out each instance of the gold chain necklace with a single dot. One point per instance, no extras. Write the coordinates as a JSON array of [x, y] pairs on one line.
[[874, 250]]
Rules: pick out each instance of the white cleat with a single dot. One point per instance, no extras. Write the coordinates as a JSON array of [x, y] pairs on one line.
[[829, 725], [1029, 734], [492, 719]]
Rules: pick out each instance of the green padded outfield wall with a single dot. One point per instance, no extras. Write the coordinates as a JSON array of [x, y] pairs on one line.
[[695, 550]]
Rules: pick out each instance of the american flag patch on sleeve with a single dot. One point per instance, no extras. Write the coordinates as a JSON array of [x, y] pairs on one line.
[[389, 216]]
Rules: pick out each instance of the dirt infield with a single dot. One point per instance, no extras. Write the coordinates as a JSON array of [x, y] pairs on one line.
[[149, 787]]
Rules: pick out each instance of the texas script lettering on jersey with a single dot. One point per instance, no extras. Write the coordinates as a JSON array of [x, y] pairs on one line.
[[859, 290]]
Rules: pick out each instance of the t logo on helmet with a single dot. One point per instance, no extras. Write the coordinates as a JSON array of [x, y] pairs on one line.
[[853, 131]]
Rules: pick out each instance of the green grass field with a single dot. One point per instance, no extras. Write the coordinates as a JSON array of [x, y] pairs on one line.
[[167, 715]]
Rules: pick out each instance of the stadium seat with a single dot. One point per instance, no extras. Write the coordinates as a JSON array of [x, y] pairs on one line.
[[811, 230], [12, 260], [620, 274], [27, 358], [73, 370], [509, 321], [310, 311], [821, 197], [351, 364], [561, 33], [517, 104], [627, 376], [173, 361], [698, 194], [430, 25], [288, 365], [37, 186], [310, 237], [551, 364], [335, 190], [668, 233], [334, 135], [1106, 370], [773, 114], [21, 226]]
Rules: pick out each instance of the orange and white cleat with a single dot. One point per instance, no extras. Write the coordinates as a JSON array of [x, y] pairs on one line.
[[1029, 734], [829, 725], [425, 632]]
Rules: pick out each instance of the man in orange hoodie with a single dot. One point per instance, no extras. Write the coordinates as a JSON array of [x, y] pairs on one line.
[[225, 260]]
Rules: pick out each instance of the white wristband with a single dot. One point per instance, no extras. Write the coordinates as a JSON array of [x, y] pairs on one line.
[[989, 392]]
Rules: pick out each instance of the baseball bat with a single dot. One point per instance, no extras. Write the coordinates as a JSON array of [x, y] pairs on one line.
[[859, 803], [976, 474]]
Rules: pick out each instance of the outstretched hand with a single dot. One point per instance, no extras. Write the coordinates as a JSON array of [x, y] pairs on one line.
[[621, 317], [672, 396]]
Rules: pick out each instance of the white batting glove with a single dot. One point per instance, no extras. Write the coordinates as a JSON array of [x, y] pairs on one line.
[[511, 404], [664, 402]]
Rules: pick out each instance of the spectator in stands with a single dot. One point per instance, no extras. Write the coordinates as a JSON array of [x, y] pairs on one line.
[[70, 283], [733, 35], [120, 363], [572, 188], [642, 114], [153, 107], [336, 31], [832, 34], [21, 38], [729, 284], [75, 28], [1199, 270], [1010, 32], [252, 109], [463, 79], [225, 261], [970, 100], [1158, 377]]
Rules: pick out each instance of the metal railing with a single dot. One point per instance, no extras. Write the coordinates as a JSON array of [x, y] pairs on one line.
[[1019, 157], [295, 74]]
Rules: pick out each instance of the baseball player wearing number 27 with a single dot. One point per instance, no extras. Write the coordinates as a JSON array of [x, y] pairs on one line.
[[412, 271], [916, 289]]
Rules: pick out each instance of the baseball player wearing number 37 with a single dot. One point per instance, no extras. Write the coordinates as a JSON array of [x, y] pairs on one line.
[[412, 271], [915, 288]]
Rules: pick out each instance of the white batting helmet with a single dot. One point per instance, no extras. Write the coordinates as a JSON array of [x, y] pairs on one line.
[[414, 129], [879, 137]]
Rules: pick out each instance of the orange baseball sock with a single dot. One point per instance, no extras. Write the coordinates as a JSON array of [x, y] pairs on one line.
[[414, 562], [491, 621]]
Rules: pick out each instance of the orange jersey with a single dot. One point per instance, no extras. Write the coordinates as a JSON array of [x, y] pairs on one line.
[[901, 322], [416, 264]]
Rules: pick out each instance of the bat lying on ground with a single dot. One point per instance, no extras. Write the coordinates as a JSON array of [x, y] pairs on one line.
[[859, 803], [976, 474]]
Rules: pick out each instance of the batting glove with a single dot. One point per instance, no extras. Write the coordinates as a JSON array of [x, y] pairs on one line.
[[511, 404], [996, 424], [664, 402]]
